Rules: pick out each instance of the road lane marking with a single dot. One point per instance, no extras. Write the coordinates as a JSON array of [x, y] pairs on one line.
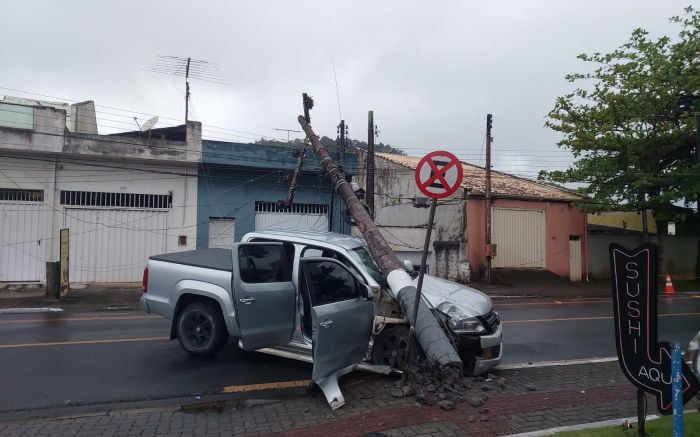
[[79, 342], [78, 319], [590, 318], [572, 362], [30, 310], [580, 301], [266, 386]]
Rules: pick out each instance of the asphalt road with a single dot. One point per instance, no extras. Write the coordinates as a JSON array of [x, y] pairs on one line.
[[552, 330], [57, 359]]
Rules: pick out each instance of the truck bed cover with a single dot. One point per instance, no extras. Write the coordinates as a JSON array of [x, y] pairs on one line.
[[217, 259]]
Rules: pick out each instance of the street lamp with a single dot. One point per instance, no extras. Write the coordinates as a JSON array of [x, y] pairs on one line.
[[686, 103]]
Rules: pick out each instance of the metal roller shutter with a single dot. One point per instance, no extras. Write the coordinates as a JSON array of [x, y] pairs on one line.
[[520, 236]]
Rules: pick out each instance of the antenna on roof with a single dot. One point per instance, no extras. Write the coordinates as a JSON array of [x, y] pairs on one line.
[[188, 68]]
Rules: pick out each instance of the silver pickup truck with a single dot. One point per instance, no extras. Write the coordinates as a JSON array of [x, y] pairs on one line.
[[317, 297]]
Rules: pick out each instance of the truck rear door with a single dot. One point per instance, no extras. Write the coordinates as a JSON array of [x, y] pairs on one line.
[[263, 294], [342, 314]]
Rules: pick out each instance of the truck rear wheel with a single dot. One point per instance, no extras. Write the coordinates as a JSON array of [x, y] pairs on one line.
[[201, 329]]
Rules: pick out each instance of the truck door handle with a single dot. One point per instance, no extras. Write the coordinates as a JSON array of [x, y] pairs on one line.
[[247, 300], [326, 323]]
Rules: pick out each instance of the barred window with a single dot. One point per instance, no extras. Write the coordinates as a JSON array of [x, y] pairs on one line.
[[296, 208], [19, 195], [127, 200]]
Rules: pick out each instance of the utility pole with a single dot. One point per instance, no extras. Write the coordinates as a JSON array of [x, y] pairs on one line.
[[489, 251], [187, 92], [342, 129], [432, 338], [369, 197]]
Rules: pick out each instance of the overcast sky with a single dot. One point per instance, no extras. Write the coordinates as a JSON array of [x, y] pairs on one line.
[[430, 70]]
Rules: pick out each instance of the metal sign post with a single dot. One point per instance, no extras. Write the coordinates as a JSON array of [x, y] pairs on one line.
[[438, 175], [64, 257], [644, 360]]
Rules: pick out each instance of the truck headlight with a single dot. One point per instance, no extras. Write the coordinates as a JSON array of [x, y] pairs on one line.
[[466, 324], [457, 322]]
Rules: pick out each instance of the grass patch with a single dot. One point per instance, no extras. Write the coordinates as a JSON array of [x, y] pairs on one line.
[[662, 427]]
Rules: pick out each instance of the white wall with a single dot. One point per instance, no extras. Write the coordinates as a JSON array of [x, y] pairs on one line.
[[402, 225], [52, 177]]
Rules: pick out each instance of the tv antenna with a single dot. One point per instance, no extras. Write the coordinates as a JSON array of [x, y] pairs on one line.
[[286, 130], [188, 68]]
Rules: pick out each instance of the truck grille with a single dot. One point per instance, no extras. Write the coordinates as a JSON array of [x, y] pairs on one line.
[[491, 321]]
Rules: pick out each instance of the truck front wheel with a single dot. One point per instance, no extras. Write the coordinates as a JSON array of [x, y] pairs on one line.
[[201, 329]]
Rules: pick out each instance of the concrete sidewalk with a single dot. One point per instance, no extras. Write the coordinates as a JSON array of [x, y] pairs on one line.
[[99, 297], [531, 399]]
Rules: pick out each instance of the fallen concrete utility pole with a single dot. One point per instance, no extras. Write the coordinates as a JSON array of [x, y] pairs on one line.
[[437, 347]]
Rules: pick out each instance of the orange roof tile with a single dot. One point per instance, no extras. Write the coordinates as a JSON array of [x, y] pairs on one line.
[[502, 184]]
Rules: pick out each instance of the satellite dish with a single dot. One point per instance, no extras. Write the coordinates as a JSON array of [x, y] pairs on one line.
[[148, 125]]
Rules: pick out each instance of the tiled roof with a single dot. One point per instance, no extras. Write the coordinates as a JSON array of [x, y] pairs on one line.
[[502, 184]]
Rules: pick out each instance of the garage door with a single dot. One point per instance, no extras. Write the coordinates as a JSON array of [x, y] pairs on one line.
[[111, 243], [21, 225], [300, 217], [520, 236]]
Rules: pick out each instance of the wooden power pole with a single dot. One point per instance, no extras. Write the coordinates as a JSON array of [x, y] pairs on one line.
[[487, 193], [369, 196], [432, 338]]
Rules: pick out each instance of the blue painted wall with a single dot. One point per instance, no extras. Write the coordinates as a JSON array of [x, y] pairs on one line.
[[233, 176]]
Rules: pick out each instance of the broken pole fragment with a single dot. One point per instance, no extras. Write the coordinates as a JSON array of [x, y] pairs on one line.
[[433, 340]]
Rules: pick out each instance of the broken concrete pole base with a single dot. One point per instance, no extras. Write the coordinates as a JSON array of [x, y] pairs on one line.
[[430, 335]]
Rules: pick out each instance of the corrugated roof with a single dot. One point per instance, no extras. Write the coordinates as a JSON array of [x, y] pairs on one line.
[[502, 184]]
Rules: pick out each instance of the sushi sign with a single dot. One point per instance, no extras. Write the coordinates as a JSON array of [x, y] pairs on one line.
[[644, 360]]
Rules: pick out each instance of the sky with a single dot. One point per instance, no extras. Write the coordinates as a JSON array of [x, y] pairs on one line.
[[430, 71]]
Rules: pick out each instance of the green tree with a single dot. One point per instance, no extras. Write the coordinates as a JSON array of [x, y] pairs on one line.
[[633, 149]]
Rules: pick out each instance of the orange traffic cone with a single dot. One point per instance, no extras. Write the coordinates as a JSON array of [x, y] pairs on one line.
[[669, 286]]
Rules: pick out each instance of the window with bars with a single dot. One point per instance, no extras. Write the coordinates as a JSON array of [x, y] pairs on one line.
[[126, 200], [19, 195], [296, 208]]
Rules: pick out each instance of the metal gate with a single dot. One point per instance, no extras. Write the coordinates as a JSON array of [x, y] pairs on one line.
[[21, 229], [575, 258], [113, 234], [299, 217], [520, 237]]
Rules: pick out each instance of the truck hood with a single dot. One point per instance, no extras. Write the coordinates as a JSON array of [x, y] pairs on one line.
[[469, 301]]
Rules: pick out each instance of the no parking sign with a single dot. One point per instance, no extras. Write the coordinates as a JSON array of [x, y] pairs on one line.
[[439, 174]]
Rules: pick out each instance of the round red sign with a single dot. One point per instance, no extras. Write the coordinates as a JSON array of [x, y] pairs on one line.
[[439, 174]]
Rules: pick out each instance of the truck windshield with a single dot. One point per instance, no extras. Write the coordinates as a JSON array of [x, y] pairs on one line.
[[365, 258]]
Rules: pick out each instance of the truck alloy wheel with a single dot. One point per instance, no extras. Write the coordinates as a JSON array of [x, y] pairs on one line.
[[390, 347], [201, 329]]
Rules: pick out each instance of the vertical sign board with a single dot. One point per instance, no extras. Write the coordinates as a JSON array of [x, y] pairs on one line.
[[644, 361], [64, 246]]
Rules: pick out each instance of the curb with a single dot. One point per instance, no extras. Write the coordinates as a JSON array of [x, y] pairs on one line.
[[30, 310], [592, 425], [581, 426]]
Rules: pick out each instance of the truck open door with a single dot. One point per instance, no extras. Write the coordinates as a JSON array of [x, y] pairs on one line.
[[342, 314]]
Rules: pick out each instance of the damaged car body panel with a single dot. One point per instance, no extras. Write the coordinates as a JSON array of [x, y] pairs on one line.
[[319, 298]]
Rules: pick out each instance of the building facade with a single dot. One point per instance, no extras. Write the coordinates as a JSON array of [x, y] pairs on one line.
[[123, 197], [240, 186], [534, 225]]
